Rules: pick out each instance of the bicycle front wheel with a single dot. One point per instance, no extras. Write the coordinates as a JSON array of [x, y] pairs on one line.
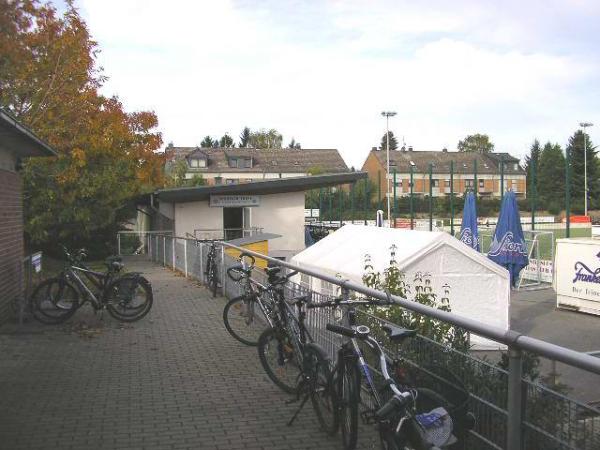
[[348, 398], [53, 301], [244, 320], [276, 354], [129, 298]]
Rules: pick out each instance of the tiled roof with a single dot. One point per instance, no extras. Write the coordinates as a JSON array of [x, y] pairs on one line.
[[264, 160], [487, 163]]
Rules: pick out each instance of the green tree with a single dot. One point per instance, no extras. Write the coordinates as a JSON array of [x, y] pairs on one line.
[[551, 178], [476, 143], [50, 81], [294, 145], [576, 147], [245, 138], [207, 142], [226, 141], [534, 155], [393, 141], [266, 139]]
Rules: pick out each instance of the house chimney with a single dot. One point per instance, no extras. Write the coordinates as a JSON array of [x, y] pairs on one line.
[[445, 150], [410, 149]]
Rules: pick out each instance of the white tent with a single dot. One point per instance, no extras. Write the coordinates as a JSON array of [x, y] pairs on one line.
[[479, 288]]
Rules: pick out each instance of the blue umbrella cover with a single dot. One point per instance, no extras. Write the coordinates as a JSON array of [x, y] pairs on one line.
[[468, 229], [509, 248]]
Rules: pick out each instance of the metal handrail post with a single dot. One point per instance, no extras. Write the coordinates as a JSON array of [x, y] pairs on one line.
[[515, 399], [200, 275], [118, 243], [223, 278], [185, 241]]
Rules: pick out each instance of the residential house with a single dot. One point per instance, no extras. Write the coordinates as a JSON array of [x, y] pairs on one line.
[[16, 142], [471, 171], [244, 165]]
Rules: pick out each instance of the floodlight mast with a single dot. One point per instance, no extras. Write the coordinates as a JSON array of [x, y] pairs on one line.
[[387, 115]]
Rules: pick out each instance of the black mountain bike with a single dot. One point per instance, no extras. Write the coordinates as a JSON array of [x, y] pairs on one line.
[[127, 297], [211, 272], [249, 314], [290, 357]]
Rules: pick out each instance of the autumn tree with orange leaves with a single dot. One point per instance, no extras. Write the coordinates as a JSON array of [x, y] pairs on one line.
[[50, 80]]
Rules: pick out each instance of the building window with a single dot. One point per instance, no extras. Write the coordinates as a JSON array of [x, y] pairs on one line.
[[230, 181], [514, 184], [248, 163], [202, 162], [399, 183], [447, 183], [248, 180], [469, 183], [328, 288], [435, 183], [481, 184], [197, 162], [305, 281], [516, 166], [218, 180], [232, 162], [193, 163]]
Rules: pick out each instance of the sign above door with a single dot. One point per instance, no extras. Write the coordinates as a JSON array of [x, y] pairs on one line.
[[234, 201]]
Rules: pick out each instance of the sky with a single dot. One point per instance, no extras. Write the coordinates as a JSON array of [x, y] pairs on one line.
[[323, 71]]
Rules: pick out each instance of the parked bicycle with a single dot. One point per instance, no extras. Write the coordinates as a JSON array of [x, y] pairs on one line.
[[291, 358], [249, 314], [127, 297], [211, 272]]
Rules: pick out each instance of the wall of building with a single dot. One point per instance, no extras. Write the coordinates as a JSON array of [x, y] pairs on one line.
[[376, 175], [11, 236], [281, 214]]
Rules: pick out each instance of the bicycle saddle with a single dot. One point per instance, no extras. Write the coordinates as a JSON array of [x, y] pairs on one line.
[[272, 271], [397, 334]]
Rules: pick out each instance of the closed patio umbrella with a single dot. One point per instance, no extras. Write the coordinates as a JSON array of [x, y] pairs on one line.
[[468, 229], [509, 248]]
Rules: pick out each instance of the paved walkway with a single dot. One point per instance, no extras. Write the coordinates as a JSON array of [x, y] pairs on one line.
[[174, 380]]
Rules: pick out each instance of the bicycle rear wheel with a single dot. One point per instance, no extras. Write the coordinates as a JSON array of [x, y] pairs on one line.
[[318, 366], [348, 398], [276, 354], [53, 301], [244, 320], [129, 298]]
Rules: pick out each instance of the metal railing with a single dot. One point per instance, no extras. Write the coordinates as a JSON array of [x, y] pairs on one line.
[[512, 412], [225, 234]]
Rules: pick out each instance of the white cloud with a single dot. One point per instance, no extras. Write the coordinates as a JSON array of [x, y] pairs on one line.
[[323, 73]]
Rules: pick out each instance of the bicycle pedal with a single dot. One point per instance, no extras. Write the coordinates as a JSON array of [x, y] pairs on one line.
[[368, 417]]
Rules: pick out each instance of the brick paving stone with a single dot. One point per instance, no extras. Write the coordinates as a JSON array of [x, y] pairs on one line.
[[174, 380]]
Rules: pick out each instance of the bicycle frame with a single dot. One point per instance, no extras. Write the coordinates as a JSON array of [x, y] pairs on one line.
[[98, 279]]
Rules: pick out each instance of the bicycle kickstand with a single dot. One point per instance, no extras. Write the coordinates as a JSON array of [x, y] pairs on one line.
[[304, 400]]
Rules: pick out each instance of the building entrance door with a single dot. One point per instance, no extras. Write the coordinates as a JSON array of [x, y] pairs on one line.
[[233, 223]]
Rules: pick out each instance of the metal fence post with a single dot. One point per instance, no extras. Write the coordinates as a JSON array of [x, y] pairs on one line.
[[200, 275], [501, 177], [515, 399], [330, 209], [185, 256], [568, 192], [534, 194], [321, 204], [475, 183], [366, 199], [173, 251], [223, 277], [395, 199], [164, 251], [430, 197], [118, 243], [341, 206], [352, 203], [452, 198], [379, 189], [412, 207]]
